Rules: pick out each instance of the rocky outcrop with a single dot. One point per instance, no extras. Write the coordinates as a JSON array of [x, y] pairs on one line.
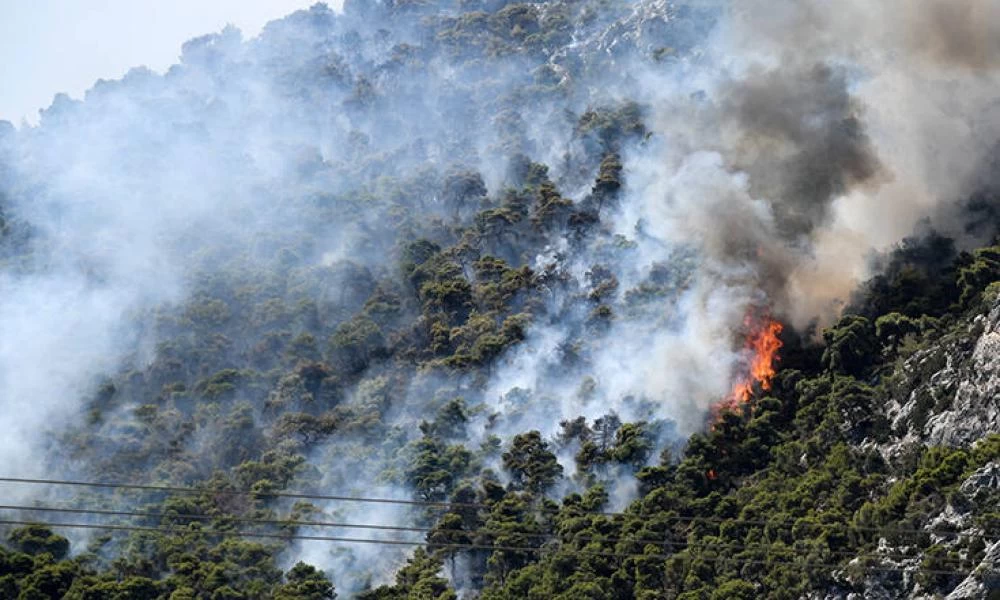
[[650, 28], [952, 390], [948, 394], [983, 581], [983, 482], [975, 409]]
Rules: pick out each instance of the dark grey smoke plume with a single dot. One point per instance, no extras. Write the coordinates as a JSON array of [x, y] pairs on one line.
[[801, 141], [850, 122]]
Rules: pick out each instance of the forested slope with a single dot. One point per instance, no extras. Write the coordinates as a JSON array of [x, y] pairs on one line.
[[455, 299]]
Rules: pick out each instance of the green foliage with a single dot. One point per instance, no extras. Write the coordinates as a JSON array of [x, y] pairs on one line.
[[919, 279], [892, 329], [735, 589], [356, 343], [608, 127], [38, 539], [609, 179], [977, 276], [551, 210], [419, 578], [435, 467], [530, 463], [850, 346], [220, 385], [305, 582]]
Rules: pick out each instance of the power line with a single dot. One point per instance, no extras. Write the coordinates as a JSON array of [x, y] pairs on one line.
[[234, 519], [532, 549], [416, 529], [297, 523], [192, 490], [447, 505]]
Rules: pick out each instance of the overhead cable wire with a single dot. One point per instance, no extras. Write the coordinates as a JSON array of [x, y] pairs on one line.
[[532, 549], [427, 530], [467, 505], [258, 494]]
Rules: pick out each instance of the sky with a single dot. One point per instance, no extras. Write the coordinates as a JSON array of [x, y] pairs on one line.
[[53, 46]]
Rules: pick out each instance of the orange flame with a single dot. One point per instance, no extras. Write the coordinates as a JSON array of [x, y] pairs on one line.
[[763, 344]]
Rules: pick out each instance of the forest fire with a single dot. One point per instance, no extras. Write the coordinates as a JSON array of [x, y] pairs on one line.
[[762, 343]]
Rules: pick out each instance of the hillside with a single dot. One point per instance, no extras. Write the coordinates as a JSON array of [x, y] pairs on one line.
[[478, 299]]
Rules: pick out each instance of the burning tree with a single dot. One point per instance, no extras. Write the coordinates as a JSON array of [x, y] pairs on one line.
[[762, 344]]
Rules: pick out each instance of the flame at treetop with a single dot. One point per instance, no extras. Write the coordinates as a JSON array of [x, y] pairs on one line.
[[763, 344]]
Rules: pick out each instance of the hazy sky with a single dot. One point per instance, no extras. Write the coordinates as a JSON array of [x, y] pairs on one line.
[[51, 46]]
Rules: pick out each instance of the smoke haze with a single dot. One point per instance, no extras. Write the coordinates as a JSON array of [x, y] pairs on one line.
[[774, 150]]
